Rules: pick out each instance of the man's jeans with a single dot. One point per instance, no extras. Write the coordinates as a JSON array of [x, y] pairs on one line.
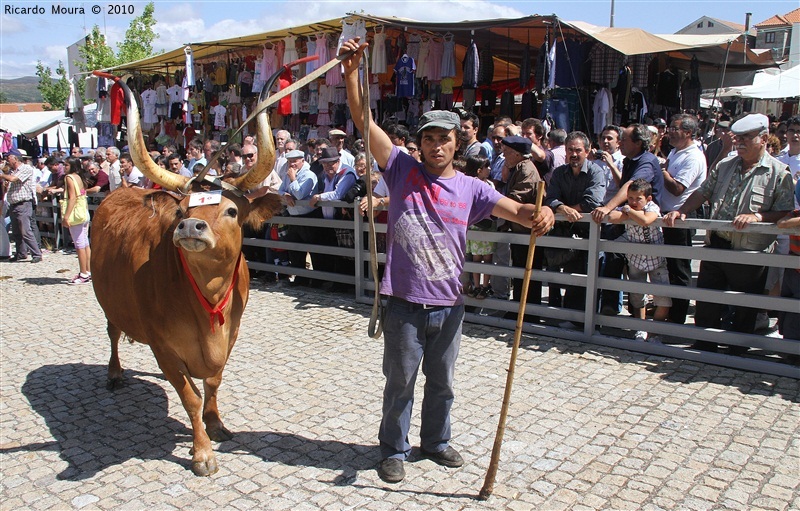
[[412, 334]]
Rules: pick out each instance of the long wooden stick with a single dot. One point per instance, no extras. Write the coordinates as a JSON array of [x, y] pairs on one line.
[[488, 483]]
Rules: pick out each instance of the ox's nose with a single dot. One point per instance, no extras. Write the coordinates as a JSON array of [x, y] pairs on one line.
[[191, 228]]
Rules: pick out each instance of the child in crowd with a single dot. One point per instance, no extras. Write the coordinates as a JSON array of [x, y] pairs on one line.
[[481, 251], [641, 209], [789, 322]]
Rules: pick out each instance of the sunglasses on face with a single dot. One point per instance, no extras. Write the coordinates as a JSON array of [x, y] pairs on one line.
[[249, 155]]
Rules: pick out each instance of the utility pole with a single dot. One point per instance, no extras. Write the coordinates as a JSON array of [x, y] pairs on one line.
[[611, 22]]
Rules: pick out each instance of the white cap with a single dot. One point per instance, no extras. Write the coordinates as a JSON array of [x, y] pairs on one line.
[[750, 122]]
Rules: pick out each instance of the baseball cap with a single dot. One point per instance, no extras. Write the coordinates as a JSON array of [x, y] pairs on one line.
[[659, 122], [724, 124], [439, 119], [750, 122], [19, 153]]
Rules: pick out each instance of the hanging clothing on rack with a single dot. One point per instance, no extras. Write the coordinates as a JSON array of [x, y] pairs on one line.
[[602, 110], [485, 67], [525, 68], [471, 67], [424, 53], [189, 66], [448, 56], [405, 71], [691, 88], [379, 54], [606, 62], [311, 49], [436, 51], [413, 46]]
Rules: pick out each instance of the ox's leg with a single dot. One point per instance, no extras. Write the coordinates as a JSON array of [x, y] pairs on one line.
[[204, 462], [214, 427], [114, 367]]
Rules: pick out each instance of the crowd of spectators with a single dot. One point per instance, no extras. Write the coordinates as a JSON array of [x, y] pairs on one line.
[[740, 170]]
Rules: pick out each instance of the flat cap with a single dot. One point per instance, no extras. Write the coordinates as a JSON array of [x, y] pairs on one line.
[[521, 145], [439, 119], [750, 122], [337, 133], [294, 154]]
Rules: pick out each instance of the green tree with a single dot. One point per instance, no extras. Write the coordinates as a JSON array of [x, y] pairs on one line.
[[137, 45], [54, 92], [3, 97], [96, 53], [139, 37]]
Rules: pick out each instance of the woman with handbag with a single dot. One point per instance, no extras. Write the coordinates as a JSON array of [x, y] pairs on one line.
[[75, 216]]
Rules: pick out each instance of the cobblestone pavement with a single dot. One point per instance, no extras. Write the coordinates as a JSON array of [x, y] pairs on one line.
[[588, 427]]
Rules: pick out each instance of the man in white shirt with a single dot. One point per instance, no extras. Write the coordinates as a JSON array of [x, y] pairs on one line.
[[131, 176], [609, 158], [281, 137], [790, 155], [555, 140], [195, 153], [685, 172], [114, 176], [337, 139]]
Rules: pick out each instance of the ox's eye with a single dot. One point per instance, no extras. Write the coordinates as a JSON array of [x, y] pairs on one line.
[[232, 212], [179, 213]]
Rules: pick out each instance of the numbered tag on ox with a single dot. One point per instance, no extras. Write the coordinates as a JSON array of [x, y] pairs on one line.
[[205, 198]]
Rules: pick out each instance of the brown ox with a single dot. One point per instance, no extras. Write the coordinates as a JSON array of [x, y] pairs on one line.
[[146, 291]]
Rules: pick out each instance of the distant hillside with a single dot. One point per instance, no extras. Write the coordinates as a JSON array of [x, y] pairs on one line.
[[21, 90]]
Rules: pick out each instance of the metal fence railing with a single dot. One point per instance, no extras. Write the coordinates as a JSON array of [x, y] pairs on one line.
[[768, 354]]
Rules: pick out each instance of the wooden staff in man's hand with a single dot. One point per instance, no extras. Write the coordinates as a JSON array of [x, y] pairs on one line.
[[488, 483]]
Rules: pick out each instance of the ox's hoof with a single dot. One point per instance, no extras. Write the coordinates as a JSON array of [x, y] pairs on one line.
[[219, 434], [114, 383], [205, 468]]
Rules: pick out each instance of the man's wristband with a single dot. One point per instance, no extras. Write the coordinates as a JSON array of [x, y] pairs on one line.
[[758, 216]]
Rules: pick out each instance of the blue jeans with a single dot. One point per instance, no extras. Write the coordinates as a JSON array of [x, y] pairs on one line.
[[413, 334]]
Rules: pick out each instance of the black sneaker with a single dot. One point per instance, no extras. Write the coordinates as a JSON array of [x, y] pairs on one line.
[[447, 458], [36, 260], [391, 470]]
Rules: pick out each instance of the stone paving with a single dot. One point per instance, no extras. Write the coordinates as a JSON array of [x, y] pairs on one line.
[[588, 427]]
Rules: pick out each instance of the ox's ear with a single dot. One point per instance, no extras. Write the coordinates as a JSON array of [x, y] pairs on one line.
[[263, 208]]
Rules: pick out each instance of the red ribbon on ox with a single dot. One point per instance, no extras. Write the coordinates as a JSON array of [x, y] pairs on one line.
[[213, 312]]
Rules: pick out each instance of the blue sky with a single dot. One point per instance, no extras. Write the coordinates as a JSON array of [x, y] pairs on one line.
[[27, 37]]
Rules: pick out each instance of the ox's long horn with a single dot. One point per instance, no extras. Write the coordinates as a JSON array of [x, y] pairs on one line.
[[266, 156], [137, 147]]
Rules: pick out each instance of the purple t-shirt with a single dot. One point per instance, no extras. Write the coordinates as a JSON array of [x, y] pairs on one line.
[[427, 230]]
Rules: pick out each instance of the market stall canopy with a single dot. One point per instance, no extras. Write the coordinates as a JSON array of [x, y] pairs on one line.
[[507, 39], [783, 85], [176, 59]]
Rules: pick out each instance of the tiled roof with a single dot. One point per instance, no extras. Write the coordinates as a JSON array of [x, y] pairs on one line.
[[781, 21], [21, 107]]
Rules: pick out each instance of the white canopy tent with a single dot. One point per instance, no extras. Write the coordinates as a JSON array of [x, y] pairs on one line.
[[783, 85], [53, 124]]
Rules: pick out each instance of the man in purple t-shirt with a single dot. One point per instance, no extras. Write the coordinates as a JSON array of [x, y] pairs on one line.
[[431, 205]]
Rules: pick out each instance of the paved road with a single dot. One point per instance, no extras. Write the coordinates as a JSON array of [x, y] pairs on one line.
[[588, 428]]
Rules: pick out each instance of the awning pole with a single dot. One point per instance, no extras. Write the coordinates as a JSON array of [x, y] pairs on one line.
[[722, 75]]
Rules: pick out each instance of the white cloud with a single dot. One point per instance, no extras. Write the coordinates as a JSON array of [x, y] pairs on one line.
[[11, 24]]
